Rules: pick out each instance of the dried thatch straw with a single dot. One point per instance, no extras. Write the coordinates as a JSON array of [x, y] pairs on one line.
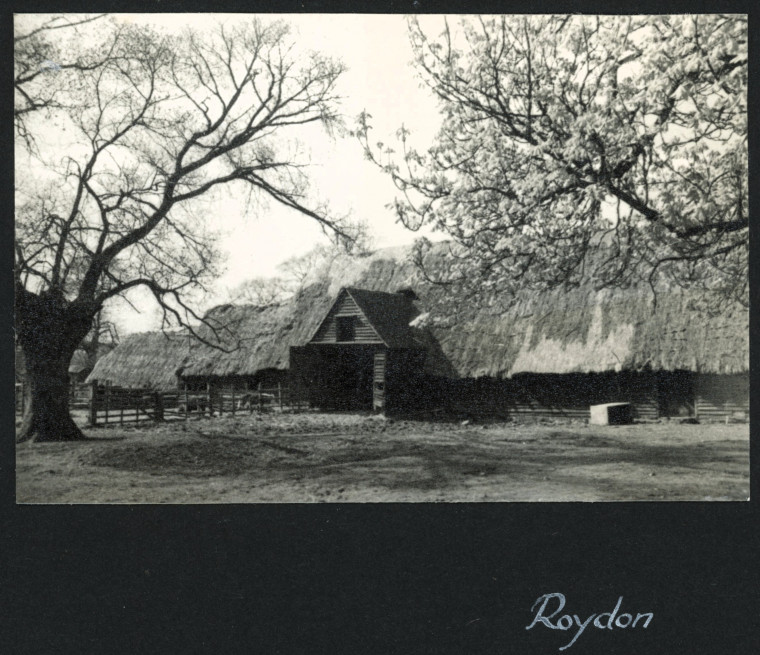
[[253, 338], [147, 359], [559, 331], [79, 362], [583, 331]]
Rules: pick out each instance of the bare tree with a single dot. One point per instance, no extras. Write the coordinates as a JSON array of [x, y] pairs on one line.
[[103, 336], [261, 291], [128, 146], [39, 59], [297, 269], [611, 149]]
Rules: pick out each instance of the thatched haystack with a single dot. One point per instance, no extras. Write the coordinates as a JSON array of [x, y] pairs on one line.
[[145, 360]]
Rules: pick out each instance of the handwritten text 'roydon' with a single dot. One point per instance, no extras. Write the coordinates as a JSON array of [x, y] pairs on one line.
[[603, 621]]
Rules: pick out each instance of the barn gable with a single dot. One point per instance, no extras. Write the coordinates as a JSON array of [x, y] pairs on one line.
[[361, 316], [390, 314]]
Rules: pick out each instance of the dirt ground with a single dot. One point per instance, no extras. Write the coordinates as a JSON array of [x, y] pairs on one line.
[[306, 458]]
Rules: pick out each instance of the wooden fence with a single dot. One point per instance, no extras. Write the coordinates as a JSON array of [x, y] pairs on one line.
[[110, 404], [79, 396]]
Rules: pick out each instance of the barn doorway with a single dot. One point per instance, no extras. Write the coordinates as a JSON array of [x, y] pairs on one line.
[[351, 377], [675, 394]]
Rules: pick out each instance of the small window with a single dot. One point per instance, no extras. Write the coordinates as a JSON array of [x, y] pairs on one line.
[[345, 328]]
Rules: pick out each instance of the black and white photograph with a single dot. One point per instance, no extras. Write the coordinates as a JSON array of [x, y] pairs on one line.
[[354, 258]]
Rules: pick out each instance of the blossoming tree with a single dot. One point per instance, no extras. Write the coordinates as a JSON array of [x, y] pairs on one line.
[[610, 148]]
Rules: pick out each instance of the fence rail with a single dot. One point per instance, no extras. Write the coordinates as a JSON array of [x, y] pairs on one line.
[[79, 395], [109, 404]]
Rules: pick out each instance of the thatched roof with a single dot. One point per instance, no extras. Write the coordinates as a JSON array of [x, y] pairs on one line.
[[80, 362], [146, 359], [559, 331], [612, 330], [253, 338]]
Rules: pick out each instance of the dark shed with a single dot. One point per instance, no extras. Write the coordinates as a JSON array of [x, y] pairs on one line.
[[363, 355]]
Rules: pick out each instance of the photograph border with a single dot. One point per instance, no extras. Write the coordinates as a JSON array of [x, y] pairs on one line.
[[405, 578]]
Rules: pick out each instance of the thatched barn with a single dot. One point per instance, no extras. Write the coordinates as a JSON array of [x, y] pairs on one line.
[[364, 354], [80, 367], [249, 351], [246, 354], [144, 360], [542, 354]]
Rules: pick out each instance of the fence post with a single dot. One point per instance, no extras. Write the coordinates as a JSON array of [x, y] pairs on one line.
[[233, 401], [93, 414], [279, 395], [108, 398], [158, 409], [187, 401], [208, 399], [221, 402]]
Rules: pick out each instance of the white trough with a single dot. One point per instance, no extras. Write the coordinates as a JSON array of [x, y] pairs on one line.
[[611, 414]]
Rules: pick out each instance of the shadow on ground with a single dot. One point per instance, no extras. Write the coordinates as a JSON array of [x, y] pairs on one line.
[[407, 462]]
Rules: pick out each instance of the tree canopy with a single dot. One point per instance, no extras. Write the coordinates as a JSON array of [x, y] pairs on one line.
[[608, 148], [126, 142], [125, 137]]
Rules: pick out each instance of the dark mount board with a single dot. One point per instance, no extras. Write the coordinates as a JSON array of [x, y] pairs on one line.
[[370, 578]]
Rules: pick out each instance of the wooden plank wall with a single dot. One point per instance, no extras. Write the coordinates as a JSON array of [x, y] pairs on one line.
[[719, 397], [641, 391], [363, 331], [545, 396], [403, 380]]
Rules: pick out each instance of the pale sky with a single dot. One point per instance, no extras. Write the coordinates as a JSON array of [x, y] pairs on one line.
[[376, 50]]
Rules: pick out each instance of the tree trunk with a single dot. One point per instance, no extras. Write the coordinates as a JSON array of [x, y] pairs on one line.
[[46, 415], [48, 330]]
